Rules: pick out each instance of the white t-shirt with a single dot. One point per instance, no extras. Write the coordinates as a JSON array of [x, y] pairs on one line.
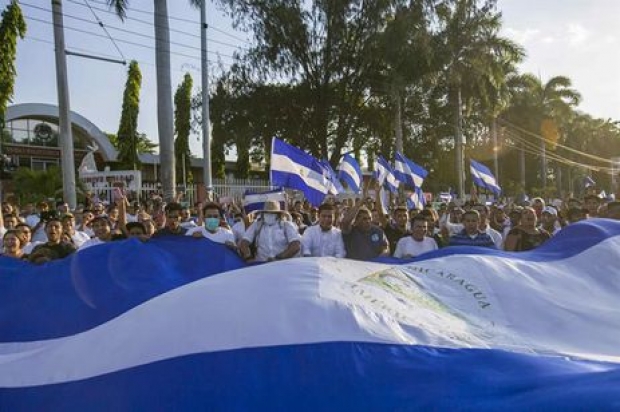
[[190, 224], [30, 246], [272, 239], [238, 230], [79, 238], [409, 247], [221, 235], [316, 242], [91, 242]]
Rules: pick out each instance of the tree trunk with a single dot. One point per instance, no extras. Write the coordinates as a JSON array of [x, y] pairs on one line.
[[458, 137], [543, 164], [522, 166], [398, 123], [165, 125], [495, 148]]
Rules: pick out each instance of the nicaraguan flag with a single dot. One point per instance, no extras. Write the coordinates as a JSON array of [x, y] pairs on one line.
[[293, 168], [483, 178], [416, 200], [408, 172], [588, 182], [334, 184], [143, 326], [351, 173], [253, 201], [385, 175]]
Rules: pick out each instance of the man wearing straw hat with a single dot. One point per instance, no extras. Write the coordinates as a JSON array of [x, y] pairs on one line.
[[273, 234]]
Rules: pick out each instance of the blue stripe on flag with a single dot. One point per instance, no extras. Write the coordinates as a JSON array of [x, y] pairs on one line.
[[339, 376]]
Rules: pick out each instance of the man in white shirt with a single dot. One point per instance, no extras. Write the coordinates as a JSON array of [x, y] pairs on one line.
[[324, 239], [212, 215], [418, 243], [275, 237], [102, 227], [77, 237]]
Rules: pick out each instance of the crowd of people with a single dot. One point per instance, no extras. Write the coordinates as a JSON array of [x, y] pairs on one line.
[[353, 228]]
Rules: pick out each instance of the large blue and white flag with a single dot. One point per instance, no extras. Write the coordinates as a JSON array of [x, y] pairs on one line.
[[408, 172], [133, 325], [385, 175], [334, 184], [293, 168], [350, 172], [416, 200], [253, 201], [483, 178]]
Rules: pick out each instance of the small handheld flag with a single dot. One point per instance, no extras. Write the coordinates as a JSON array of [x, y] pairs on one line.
[[350, 172], [483, 178]]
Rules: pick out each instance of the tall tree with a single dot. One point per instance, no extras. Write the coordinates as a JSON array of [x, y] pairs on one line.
[[128, 128], [541, 109], [12, 27], [327, 48], [164, 89], [183, 127], [474, 52]]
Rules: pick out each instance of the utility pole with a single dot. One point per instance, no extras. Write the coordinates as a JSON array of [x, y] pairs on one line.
[[206, 122], [165, 125], [64, 117]]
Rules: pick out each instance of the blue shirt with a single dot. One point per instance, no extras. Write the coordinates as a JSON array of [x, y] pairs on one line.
[[463, 239], [364, 245]]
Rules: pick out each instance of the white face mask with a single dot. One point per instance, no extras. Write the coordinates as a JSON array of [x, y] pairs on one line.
[[270, 219]]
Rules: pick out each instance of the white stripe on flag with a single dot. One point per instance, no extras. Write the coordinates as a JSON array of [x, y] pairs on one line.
[[313, 179]]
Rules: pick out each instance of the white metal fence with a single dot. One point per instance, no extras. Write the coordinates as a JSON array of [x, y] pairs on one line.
[[222, 188]]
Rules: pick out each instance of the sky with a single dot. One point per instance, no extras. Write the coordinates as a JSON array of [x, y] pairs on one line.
[[575, 38]]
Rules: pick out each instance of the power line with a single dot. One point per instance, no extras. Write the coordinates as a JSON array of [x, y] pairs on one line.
[[105, 30], [541, 138], [536, 150], [118, 40], [150, 23], [141, 62], [123, 30], [232, 36]]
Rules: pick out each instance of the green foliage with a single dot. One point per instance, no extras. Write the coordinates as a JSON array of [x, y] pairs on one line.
[[182, 127], [12, 27], [143, 143], [34, 185], [127, 135], [326, 76]]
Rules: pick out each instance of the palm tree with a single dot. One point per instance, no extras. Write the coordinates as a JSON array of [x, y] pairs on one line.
[[165, 123], [475, 55], [544, 107]]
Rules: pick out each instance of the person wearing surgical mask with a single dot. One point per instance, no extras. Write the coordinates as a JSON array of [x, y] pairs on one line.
[[273, 236], [212, 229]]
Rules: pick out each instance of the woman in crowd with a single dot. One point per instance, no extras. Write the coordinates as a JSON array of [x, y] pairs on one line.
[[526, 235], [12, 244]]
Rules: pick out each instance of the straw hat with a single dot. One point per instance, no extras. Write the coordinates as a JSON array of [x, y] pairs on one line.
[[272, 206]]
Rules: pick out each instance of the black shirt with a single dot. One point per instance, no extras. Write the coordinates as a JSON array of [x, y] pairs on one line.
[[167, 232], [393, 235]]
